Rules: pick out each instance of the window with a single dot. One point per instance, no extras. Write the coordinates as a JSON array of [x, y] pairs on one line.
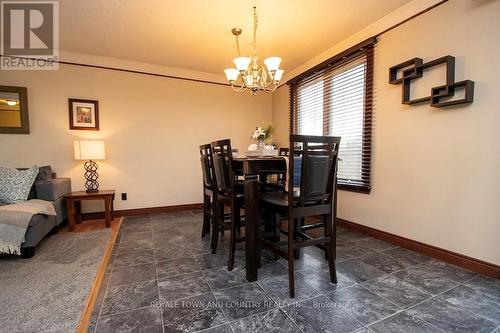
[[336, 100]]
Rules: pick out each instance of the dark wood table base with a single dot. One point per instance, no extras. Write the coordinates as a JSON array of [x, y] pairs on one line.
[[252, 167]]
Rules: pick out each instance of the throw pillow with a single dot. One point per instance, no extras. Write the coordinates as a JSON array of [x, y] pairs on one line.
[[44, 173], [15, 184]]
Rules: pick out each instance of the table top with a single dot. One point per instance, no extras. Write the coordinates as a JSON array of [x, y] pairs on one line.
[[84, 194], [258, 158]]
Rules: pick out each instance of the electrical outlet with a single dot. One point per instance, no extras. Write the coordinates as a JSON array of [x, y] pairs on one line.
[[124, 196]]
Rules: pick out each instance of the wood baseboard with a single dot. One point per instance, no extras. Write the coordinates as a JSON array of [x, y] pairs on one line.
[[91, 299], [451, 257], [144, 211]]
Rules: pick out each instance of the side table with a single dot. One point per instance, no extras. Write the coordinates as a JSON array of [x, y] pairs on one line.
[[74, 208]]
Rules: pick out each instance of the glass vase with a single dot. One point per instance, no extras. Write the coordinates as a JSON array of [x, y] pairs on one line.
[[261, 145]]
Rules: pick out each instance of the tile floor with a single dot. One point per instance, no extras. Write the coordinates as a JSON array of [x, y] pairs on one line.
[[163, 278]]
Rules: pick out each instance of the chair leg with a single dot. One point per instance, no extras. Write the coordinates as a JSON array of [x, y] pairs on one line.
[[211, 214], [269, 224], [300, 222], [215, 237], [277, 225], [222, 222], [325, 227], [277, 219], [330, 248], [259, 247], [238, 224], [334, 236], [206, 217], [235, 217], [334, 246], [268, 221], [215, 226], [291, 250]]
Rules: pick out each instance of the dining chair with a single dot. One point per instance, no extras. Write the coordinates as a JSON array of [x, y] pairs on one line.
[[283, 151], [280, 185], [315, 195], [209, 197], [228, 191]]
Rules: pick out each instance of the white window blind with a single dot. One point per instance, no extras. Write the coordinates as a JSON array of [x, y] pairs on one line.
[[336, 101]]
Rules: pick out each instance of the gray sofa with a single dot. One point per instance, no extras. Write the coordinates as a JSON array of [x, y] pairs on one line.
[[50, 188]]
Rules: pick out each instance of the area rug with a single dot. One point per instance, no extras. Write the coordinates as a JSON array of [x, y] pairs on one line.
[[48, 292]]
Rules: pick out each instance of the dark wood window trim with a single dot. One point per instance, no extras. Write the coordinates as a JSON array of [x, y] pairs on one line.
[[335, 60], [365, 49]]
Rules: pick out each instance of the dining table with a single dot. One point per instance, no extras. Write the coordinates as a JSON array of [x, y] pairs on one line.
[[251, 167]]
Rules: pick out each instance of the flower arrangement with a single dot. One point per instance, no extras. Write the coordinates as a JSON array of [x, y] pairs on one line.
[[263, 133]]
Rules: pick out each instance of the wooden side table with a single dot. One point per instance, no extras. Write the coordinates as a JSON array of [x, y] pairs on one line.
[[74, 208]]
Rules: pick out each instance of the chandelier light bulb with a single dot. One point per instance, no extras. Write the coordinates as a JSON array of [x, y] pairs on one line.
[[272, 63], [242, 63], [231, 74], [249, 80], [277, 75]]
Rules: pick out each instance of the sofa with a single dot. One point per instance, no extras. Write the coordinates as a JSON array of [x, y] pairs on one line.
[[49, 188]]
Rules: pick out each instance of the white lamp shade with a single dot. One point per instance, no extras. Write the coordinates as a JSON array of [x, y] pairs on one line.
[[272, 63], [231, 74], [89, 150], [278, 74], [242, 63]]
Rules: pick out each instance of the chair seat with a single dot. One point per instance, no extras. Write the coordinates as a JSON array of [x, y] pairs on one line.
[[274, 185], [278, 198]]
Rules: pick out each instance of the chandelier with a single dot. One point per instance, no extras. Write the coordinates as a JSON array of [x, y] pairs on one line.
[[250, 73]]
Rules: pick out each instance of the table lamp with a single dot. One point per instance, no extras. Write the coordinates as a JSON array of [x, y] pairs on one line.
[[90, 150]]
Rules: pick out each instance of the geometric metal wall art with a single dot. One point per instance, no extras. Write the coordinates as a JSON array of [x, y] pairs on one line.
[[414, 69]]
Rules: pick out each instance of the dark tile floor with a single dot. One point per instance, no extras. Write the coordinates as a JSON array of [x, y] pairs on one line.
[[163, 278]]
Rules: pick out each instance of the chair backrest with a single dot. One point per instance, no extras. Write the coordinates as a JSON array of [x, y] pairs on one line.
[[222, 157], [284, 152], [318, 173], [207, 166]]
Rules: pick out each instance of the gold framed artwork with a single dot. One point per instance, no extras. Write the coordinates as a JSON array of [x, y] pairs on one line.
[[83, 114], [14, 110]]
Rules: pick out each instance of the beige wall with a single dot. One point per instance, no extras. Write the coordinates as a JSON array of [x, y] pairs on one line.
[[152, 127], [436, 172], [281, 116]]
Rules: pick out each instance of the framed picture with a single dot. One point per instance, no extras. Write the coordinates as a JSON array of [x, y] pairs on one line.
[[14, 110], [83, 114]]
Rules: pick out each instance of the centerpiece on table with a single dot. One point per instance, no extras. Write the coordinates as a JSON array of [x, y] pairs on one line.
[[261, 135]]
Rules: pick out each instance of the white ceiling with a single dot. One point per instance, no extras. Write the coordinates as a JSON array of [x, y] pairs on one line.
[[196, 34]]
